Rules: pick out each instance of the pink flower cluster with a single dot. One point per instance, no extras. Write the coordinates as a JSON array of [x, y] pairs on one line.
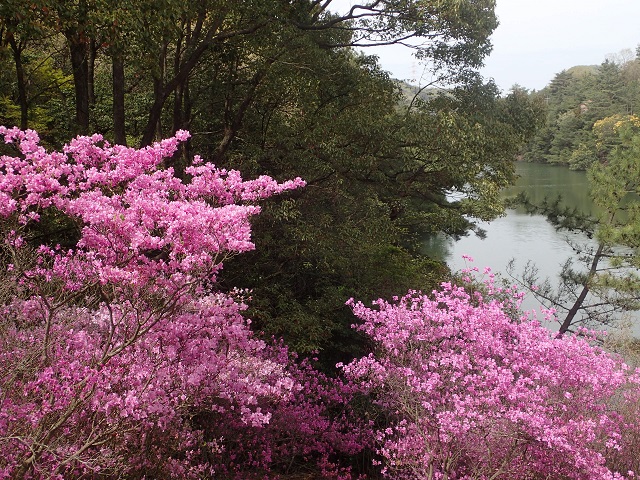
[[474, 394], [119, 357], [139, 224]]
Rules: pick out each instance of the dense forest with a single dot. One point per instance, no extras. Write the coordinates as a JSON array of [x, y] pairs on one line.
[[584, 104], [161, 316], [277, 88]]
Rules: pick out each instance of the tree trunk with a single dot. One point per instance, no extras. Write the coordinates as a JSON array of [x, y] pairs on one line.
[[22, 87], [577, 305], [235, 119], [162, 91], [91, 68], [153, 129], [178, 93], [80, 64], [117, 72], [177, 108], [187, 117]]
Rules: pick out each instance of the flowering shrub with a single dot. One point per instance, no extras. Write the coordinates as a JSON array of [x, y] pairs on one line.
[[121, 359], [320, 426], [473, 394], [115, 345]]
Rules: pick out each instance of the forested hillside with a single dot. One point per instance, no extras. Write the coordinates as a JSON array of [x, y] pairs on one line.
[[199, 199], [584, 104], [593, 124], [276, 88]]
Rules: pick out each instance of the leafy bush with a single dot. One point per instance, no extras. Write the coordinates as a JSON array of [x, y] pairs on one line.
[[121, 357], [473, 394]]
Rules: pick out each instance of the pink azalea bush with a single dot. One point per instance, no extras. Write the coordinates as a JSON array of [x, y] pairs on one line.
[[473, 394], [119, 356], [319, 427]]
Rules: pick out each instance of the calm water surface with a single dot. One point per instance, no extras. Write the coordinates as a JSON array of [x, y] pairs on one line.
[[518, 235]]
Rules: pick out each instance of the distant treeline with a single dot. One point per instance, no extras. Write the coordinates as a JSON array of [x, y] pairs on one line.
[[584, 105]]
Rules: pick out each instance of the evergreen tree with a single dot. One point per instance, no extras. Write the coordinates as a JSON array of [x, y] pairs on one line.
[[577, 100], [604, 283]]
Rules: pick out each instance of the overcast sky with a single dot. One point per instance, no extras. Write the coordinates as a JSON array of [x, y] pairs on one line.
[[538, 38]]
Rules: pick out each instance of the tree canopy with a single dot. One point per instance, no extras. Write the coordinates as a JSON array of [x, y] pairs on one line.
[[579, 102], [277, 88]]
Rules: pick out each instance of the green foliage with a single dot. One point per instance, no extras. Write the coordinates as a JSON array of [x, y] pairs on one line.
[[615, 189], [378, 175], [601, 282], [274, 87], [582, 157], [9, 111], [578, 100]]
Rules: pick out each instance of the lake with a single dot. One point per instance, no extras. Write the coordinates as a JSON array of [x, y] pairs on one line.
[[518, 235]]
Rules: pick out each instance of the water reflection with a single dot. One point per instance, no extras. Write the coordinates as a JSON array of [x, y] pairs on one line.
[[540, 181], [521, 236]]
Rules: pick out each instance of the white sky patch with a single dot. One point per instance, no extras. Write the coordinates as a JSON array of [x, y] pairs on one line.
[[537, 39]]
